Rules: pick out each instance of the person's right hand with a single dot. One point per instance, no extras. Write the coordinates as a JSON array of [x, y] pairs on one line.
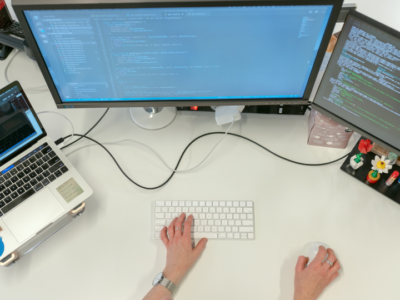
[[310, 281], [180, 253]]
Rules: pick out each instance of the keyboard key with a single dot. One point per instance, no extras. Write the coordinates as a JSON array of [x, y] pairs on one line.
[[13, 188], [58, 165], [26, 163], [45, 166], [39, 178], [33, 182], [243, 235], [2, 187], [7, 183], [27, 186], [46, 150], [52, 154], [20, 167], [38, 187], [7, 192], [247, 223], [160, 216], [242, 203], [7, 199], [46, 158], [249, 204], [2, 196], [58, 173], [245, 229], [20, 183], [40, 162], [46, 173], [250, 235], [26, 179], [2, 204], [13, 171], [32, 174], [54, 160], [7, 176], [32, 159], [248, 210], [18, 201], [200, 235], [14, 179], [160, 222], [64, 169], [14, 195], [45, 182], [27, 170], [38, 155], [39, 170], [33, 166], [21, 190], [21, 174]]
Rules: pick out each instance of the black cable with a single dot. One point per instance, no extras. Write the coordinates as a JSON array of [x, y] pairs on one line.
[[187, 147], [87, 131]]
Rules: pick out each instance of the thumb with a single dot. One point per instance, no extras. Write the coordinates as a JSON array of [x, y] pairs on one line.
[[200, 247], [301, 263]]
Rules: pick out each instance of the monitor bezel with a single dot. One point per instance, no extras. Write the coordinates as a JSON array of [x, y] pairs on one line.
[[339, 119], [22, 5], [35, 140]]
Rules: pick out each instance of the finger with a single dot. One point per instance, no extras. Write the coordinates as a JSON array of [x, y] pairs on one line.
[[188, 227], [179, 224], [331, 257], [320, 258], [335, 268], [301, 263], [163, 235], [171, 229], [200, 247], [333, 277]]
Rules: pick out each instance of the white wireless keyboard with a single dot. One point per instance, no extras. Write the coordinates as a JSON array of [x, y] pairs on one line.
[[212, 219]]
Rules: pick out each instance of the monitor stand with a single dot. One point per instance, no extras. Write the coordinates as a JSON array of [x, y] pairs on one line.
[[153, 118]]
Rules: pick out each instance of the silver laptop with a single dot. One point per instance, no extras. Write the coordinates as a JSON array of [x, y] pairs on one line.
[[38, 185]]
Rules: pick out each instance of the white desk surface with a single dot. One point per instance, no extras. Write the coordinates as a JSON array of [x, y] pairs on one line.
[[108, 252]]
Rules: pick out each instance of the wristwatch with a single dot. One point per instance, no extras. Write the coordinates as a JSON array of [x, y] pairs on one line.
[[164, 281]]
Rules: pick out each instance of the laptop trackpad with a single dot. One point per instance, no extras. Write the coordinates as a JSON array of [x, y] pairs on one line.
[[33, 215]]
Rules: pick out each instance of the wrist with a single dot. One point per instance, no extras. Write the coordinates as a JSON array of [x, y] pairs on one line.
[[172, 276]]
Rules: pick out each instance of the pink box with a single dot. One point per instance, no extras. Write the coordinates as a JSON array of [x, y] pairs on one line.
[[325, 132]]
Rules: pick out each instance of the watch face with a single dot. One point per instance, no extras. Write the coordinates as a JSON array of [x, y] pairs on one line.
[[158, 278]]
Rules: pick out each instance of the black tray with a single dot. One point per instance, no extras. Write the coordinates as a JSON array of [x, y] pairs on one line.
[[392, 192]]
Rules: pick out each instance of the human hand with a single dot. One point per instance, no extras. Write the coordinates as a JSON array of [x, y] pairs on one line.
[[310, 281], [180, 253]]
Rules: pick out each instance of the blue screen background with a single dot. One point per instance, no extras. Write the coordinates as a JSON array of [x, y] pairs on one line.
[[180, 53]]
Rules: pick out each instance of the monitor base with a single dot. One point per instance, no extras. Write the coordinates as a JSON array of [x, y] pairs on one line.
[[153, 118]]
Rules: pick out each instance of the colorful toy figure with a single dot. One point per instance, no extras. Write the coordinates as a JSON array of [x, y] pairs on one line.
[[379, 165], [356, 161]]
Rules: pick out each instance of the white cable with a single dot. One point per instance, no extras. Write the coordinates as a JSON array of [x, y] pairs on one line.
[[53, 112], [39, 88], [158, 155]]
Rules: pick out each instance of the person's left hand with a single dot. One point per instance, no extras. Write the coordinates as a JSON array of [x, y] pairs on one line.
[[180, 253]]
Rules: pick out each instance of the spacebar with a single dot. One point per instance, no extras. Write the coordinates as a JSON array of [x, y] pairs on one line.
[[200, 235], [17, 201]]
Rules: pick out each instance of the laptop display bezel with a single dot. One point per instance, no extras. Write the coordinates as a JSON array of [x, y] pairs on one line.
[[34, 141]]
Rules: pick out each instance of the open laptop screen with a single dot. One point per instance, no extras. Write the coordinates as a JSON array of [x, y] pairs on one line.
[[18, 126]]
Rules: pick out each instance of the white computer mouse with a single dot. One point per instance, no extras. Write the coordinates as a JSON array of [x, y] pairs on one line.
[[313, 250]]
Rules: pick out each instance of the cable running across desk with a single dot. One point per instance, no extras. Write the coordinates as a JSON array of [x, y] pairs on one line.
[[187, 147]]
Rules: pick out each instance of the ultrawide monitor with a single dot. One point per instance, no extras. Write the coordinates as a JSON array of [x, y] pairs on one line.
[[178, 54], [361, 85]]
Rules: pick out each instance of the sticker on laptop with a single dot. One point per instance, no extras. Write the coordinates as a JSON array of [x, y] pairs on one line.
[[1, 246], [69, 190]]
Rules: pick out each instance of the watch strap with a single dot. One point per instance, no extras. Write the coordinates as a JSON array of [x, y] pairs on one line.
[[168, 284]]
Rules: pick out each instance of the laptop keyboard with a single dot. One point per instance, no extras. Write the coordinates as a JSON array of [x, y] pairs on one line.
[[29, 175]]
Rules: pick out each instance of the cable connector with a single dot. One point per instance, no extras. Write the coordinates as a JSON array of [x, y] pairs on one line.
[[60, 142]]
